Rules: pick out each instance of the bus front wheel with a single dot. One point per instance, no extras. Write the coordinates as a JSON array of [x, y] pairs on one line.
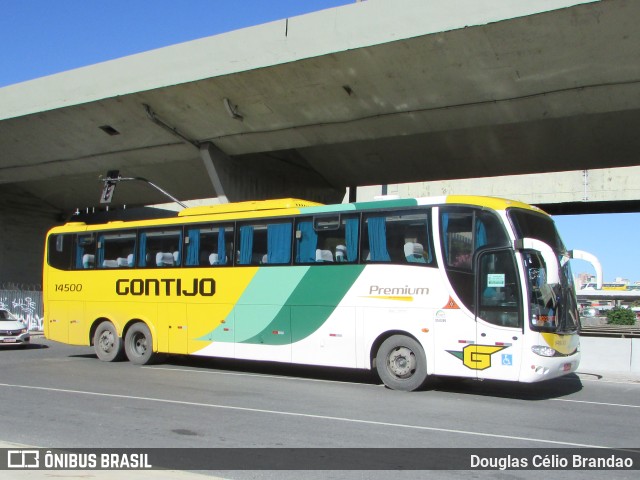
[[138, 344], [106, 342], [401, 363]]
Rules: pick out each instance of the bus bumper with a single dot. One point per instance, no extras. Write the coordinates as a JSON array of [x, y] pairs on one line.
[[543, 368]]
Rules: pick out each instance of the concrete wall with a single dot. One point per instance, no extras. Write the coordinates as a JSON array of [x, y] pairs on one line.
[[610, 355], [24, 222]]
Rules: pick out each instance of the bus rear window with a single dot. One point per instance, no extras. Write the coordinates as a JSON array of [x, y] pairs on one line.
[[60, 251]]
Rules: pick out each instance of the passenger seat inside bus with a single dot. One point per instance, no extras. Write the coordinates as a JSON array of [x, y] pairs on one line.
[[414, 252], [164, 259], [324, 256], [88, 260], [341, 253]]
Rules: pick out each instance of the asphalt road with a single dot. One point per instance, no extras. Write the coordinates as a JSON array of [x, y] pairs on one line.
[[64, 397]]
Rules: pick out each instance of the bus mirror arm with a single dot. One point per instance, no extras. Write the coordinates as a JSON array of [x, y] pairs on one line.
[[549, 256], [593, 260]]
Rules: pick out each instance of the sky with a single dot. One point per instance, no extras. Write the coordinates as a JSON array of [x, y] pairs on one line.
[[613, 238], [43, 37]]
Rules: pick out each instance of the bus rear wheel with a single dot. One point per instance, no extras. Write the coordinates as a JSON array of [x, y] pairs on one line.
[[401, 363], [106, 342], [138, 344]]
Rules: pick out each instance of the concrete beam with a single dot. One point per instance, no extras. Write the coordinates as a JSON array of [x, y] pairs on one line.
[[587, 187], [358, 25], [369, 93]]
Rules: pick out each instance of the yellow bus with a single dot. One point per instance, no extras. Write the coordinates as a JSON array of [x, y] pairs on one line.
[[459, 286]]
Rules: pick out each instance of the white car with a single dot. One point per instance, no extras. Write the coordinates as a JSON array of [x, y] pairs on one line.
[[12, 330]]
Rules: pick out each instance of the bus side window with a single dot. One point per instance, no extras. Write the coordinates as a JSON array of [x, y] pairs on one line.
[[160, 248], [399, 237], [85, 256], [279, 243], [465, 231], [265, 243], [327, 239], [306, 241], [375, 239], [60, 251], [209, 246], [457, 239], [115, 249], [409, 237]]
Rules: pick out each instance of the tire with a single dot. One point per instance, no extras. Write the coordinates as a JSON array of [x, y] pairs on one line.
[[106, 343], [138, 344], [401, 363]]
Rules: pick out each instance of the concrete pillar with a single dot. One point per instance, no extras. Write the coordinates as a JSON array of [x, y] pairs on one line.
[[247, 177], [24, 221]]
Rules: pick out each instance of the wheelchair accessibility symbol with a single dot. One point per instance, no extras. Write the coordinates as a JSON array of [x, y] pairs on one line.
[[507, 359]]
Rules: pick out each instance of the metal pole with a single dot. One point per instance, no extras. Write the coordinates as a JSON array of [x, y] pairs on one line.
[[161, 190]]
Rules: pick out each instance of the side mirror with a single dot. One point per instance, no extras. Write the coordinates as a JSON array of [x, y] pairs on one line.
[[548, 255], [593, 260]]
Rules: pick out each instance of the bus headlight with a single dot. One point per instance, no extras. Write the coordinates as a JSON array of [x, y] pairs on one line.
[[543, 350]]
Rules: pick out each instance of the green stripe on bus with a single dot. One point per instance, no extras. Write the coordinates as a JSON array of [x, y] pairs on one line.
[[352, 207], [259, 304], [310, 304], [345, 207], [378, 204]]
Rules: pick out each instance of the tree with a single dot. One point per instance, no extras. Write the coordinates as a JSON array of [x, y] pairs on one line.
[[621, 316]]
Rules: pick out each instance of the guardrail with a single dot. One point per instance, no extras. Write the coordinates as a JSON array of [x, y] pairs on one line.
[[610, 331]]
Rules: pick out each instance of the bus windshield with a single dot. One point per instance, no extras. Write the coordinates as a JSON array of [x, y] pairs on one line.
[[552, 308]]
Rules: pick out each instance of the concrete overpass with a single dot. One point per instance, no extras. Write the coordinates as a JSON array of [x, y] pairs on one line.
[[371, 93], [612, 295], [599, 190]]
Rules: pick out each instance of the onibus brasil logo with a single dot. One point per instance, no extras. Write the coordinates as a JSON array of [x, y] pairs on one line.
[[476, 357]]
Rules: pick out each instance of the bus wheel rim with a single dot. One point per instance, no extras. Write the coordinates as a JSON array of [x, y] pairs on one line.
[[139, 344], [106, 341], [402, 362]]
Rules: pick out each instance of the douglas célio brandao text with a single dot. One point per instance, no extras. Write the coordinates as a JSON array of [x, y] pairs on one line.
[[560, 461]]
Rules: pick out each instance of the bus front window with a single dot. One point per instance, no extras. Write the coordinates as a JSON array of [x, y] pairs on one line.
[[543, 297], [552, 306]]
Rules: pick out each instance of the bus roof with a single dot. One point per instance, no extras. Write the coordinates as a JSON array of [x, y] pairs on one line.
[[307, 207], [294, 206], [250, 206], [492, 202]]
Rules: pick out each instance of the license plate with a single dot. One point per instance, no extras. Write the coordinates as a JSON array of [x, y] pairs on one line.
[[9, 340]]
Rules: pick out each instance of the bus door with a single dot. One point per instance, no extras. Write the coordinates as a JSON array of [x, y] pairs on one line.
[[499, 316]]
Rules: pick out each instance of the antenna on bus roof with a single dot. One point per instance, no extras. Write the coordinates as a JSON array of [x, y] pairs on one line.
[[113, 178]]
